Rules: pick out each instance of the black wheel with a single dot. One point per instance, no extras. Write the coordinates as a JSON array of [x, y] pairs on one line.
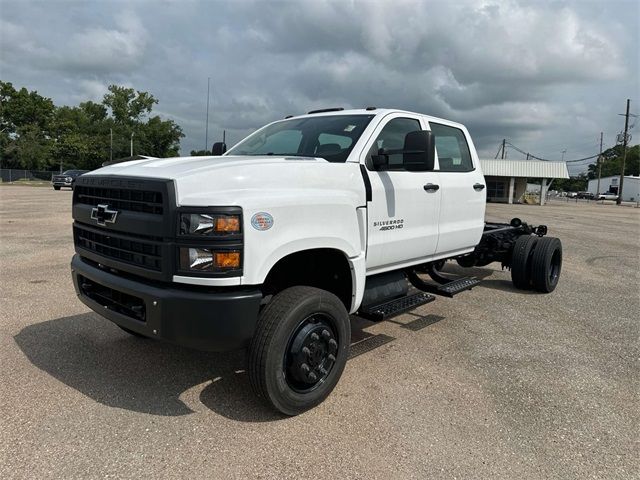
[[56, 188], [521, 261], [546, 264], [131, 332], [299, 349]]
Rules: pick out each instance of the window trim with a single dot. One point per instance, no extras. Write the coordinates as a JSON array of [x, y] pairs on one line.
[[473, 162]]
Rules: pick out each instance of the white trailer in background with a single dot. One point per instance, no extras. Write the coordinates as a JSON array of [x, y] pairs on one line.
[[630, 188]]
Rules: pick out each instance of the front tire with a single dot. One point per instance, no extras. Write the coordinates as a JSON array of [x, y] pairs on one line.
[[299, 349], [56, 188]]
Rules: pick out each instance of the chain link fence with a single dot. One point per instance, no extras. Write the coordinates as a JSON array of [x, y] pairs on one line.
[[11, 175]]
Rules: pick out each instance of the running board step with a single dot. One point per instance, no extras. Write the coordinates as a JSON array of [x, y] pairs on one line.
[[453, 288], [395, 307]]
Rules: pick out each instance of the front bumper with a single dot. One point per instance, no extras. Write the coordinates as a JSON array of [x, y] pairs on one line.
[[205, 319], [61, 183]]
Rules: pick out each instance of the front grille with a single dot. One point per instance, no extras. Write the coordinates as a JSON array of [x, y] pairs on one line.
[[141, 251], [115, 300], [144, 201]]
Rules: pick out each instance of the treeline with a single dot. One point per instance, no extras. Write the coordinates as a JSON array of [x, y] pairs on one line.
[[35, 134], [611, 165]]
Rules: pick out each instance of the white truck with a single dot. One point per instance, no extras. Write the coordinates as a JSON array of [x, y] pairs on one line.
[[273, 245]]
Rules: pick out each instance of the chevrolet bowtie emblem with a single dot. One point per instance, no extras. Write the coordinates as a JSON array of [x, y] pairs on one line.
[[103, 215]]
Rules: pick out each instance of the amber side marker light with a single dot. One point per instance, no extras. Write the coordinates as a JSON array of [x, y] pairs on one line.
[[227, 259], [228, 224]]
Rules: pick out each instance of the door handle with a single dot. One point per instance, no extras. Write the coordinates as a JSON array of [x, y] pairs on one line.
[[431, 187], [478, 187]]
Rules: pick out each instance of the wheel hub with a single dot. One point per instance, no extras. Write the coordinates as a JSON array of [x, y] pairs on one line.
[[311, 353]]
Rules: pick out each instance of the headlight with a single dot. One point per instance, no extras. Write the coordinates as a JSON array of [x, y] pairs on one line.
[[209, 224], [68, 179], [208, 260]]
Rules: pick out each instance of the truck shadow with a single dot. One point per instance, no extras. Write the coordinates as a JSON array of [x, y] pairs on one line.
[[485, 274], [96, 358]]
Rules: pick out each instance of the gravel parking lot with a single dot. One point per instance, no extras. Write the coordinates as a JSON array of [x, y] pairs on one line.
[[496, 383]]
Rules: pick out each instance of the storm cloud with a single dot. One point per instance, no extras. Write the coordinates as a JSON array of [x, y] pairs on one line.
[[549, 76]]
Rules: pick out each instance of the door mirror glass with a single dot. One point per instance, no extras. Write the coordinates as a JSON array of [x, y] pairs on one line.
[[218, 148], [418, 154], [380, 159]]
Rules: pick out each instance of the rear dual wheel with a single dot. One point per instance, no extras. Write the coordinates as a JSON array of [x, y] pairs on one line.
[[299, 349], [546, 264], [536, 263]]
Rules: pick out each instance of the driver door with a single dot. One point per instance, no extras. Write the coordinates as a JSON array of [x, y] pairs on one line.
[[405, 206]]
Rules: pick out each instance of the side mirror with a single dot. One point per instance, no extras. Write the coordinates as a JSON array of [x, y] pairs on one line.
[[218, 148], [419, 151], [380, 160]]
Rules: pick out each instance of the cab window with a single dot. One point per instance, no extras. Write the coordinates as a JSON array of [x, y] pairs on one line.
[[452, 148], [392, 138]]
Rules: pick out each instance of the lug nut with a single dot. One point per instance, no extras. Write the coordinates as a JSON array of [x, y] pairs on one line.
[[313, 377], [305, 368], [326, 335], [331, 357], [314, 336], [333, 344], [306, 351]]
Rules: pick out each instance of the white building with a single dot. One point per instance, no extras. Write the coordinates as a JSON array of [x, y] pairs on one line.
[[507, 179], [630, 187]]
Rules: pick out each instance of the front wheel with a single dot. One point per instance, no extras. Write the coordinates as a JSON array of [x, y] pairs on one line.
[[299, 349], [56, 188]]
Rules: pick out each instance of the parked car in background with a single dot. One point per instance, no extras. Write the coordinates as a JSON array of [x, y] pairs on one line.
[[608, 196], [586, 195], [572, 194], [66, 179]]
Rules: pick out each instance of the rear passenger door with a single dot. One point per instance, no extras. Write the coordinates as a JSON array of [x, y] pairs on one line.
[[463, 190]]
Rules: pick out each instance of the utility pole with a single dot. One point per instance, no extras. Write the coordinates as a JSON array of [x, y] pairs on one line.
[[206, 130], [111, 145], [624, 151], [599, 166], [563, 152], [527, 156], [504, 154], [132, 134]]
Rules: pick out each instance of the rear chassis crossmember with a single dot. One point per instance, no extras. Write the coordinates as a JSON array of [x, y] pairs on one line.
[[497, 242]]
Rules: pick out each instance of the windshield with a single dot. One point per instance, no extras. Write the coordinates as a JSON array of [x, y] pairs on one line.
[[330, 137], [73, 172]]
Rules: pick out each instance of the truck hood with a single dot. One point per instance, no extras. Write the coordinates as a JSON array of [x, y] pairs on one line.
[[234, 180]]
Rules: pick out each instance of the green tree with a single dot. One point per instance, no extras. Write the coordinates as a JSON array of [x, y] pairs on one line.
[[200, 153], [128, 105], [612, 162], [34, 133]]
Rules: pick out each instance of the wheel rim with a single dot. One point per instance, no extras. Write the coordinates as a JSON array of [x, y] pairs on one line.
[[554, 270], [311, 353]]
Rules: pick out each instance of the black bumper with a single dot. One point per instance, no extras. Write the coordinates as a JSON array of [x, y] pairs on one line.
[[215, 320]]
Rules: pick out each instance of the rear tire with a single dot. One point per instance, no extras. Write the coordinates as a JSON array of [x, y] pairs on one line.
[[56, 188], [546, 264], [521, 261], [299, 349]]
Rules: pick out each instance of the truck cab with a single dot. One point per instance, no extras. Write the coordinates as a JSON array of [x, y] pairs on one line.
[[273, 244]]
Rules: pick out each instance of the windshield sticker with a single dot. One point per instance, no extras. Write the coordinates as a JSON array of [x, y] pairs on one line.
[[262, 221], [349, 128]]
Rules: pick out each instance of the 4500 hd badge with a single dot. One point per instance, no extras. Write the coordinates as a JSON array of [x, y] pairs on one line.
[[395, 224]]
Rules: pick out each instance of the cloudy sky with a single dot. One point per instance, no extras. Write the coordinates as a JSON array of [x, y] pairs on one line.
[[547, 75]]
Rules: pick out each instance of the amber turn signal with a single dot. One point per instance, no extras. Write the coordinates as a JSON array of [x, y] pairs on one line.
[[228, 224], [227, 260]]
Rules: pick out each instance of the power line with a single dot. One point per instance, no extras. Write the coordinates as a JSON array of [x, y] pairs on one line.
[[517, 149]]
